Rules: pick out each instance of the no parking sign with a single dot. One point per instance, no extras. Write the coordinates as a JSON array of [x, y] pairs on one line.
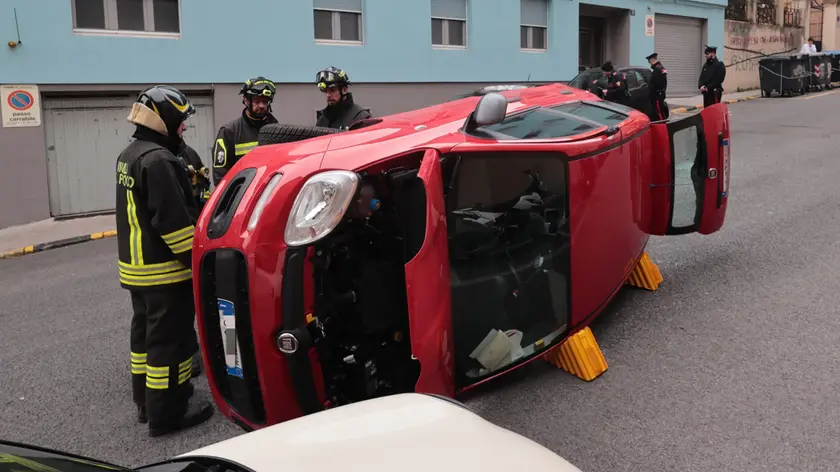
[[20, 105], [649, 25]]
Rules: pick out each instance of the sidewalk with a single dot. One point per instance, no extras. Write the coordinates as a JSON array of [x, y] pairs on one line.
[[49, 234], [684, 104]]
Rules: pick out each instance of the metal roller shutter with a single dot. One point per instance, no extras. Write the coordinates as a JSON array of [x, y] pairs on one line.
[[84, 136], [679, 43]]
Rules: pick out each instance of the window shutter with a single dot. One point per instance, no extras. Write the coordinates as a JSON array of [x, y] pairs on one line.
[[345, 5], [452, 9], [534, 12]]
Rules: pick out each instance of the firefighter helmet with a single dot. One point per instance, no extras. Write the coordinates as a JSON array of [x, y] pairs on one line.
[[169, 103], [259, 86], [331, 77]]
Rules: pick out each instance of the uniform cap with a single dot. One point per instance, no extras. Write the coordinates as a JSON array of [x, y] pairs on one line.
[[711, 49], [652, 56]]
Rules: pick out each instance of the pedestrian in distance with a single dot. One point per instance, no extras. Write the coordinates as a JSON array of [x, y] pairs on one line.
[[711, 78], [658, 86], [155, 219], [239, 137], [341, 110]]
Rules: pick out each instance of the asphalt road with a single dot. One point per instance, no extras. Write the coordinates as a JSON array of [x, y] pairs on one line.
[[730, 365]]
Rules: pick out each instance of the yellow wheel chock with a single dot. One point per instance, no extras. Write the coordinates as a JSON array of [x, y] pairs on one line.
[[645, 274], [579, 355]]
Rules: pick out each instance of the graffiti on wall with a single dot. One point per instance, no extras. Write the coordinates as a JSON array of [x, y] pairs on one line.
[[744, 50]]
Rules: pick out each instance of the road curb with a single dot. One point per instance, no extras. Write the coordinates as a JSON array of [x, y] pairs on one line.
[[700, 107], [41, 247]]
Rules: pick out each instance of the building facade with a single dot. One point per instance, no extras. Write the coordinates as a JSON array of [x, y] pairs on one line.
[[89, 58]]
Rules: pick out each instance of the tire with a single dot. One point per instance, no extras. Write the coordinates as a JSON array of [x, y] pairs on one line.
[[276, 133]]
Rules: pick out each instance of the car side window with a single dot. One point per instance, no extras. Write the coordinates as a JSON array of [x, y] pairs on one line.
[[640, 77], [632, 82]]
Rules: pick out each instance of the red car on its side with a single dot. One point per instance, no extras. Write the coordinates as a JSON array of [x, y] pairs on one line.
[[433, 250]]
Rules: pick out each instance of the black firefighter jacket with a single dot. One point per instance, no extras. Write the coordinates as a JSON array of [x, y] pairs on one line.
[[234, 140], [155, 215], [342, 115]]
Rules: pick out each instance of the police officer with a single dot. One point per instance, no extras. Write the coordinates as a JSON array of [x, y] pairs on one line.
[[341, 111], [711, 78], [199, 174], [613, 84], [658, 85], [238, 137], [155, 224]]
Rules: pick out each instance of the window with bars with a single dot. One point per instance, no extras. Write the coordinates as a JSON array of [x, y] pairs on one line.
[[533, 28], [792, 15], [127, 16], [765, 12], [736, 10], [449, 23], [338, 21]]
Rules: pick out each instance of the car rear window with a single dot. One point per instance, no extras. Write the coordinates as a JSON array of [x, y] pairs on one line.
[[539, 123], [602, 115]]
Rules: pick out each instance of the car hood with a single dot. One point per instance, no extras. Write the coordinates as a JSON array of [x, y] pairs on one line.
[[408, 432]]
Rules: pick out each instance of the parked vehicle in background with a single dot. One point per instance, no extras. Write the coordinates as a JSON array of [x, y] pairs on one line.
[[638, 80]]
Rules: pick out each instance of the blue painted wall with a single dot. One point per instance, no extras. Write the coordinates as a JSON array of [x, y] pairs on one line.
[[223, 41]]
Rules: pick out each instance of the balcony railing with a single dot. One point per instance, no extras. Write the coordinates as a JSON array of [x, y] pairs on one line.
[[792, 16]]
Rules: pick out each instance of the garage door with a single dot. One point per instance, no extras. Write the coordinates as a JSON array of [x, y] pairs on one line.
[[84, 137], [679, 43]]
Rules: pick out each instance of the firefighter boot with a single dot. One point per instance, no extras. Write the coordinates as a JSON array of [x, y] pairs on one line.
[[197, 413], [196, 365], [141, 414]]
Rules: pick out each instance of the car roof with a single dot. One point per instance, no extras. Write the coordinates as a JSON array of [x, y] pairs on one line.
[[435, 126]]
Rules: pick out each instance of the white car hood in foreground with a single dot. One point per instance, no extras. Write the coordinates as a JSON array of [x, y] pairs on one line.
[[405, 433]]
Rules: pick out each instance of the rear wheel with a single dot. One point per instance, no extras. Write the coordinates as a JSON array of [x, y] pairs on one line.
[[277, 133]]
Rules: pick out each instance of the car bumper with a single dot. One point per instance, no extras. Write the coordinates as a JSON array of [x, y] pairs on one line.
[[260, 296]]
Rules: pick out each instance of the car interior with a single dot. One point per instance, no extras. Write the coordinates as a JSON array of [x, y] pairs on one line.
[[508, 236]]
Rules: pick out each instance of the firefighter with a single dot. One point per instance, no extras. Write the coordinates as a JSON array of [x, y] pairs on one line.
[[711, 78], [238, 137], [341, 111], [155, 224], [199, 174], [613, 84], [658, 85]]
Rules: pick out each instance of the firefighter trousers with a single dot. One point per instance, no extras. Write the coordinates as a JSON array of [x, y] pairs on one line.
[[163, 342], [659, 109]]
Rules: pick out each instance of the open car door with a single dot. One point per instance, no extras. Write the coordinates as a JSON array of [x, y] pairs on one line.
[[690, 178], [427, 286]]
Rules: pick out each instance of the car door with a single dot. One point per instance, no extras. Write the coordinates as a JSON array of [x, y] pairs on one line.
[[690, 160], [427, 287]]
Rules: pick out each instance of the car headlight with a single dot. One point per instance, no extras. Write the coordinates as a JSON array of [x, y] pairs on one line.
[[319, 206], [263, 200]]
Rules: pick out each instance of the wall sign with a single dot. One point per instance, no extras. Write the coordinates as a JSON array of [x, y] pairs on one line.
[[20, 105], [648, 25]]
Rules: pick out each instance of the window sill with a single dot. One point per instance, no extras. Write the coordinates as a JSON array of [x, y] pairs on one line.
[[333, 42], [126, 34], [446, 47], [534, 51]]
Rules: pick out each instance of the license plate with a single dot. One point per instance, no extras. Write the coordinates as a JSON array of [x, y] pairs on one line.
[[725, 175], [227, 323]]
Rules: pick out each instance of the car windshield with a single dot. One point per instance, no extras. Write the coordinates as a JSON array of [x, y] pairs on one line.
[[560, 121], [19, 457]]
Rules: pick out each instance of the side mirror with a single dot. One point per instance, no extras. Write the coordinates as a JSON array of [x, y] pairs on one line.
[[491, 109]]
